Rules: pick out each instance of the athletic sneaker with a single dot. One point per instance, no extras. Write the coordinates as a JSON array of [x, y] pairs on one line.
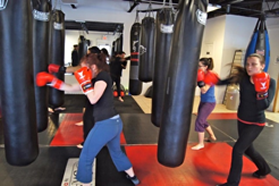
[[80, 146], [134, 179], [257, 174]]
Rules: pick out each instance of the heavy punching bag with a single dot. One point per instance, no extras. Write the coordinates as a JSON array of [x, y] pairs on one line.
[[181, 82], [117, 45], [113, 48], [259, 42], [57, 40], [147, 41], [17, 84], [41, 16], [164, 32], [120, 43], [83, 45], [135, 85]]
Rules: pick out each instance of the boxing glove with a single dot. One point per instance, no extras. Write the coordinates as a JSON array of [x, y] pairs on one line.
[[211, 78], [44, 78], [84, 76], [261, 82], [200, 78], [53, 68]]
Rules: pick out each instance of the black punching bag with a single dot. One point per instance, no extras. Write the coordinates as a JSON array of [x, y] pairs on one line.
[[164, 32], [57, 39], [181, 82], [147, 42], [41, 16], [120, 43], [113, 48], [259, 42], [135, 85], [17, 84], [83, 44]]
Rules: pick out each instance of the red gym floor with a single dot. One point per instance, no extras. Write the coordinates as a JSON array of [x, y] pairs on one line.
[[205, 167]]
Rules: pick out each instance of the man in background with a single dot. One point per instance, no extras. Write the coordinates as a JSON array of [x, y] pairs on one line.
[[74, 56]]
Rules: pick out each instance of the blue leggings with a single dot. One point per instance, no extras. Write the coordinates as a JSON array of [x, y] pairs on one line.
[[106, 132]]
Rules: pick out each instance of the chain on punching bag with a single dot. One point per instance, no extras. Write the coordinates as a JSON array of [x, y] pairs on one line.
[[17, 84], [147, 49], [181, 82], [41, 17], [164, 32], [57, 41], [135, 85]]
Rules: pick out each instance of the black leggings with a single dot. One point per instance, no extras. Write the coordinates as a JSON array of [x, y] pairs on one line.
[[117, 80], [88, 119], [244, 144]]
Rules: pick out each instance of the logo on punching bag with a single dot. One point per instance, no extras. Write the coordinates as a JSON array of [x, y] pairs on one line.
[[135, 46], [142, 49], [201, 17]]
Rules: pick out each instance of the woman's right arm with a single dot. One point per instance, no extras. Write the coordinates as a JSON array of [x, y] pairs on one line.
[[70, 88]]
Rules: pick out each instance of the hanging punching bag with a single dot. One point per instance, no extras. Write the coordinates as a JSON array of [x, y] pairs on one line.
[[147, 41], [135, 85], [83, 44], [117, 45], [57, 29], [120, 43], [113, 48], [164, 32], [259, 42], [41, 17], [17, 84], [181, 82]]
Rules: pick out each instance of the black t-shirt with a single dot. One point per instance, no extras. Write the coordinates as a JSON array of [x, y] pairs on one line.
[[104, 108], [251, 109]]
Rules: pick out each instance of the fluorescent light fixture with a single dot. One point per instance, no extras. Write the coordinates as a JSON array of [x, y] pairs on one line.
[[212, 7]]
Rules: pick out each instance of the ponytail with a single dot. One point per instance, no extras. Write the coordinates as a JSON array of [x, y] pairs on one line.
[[207, 62]]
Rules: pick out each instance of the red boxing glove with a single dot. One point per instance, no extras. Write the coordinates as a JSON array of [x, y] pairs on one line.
[[44, 78], [53, 68], [261, 82], [84, 76], [200, 78], [211, 78]]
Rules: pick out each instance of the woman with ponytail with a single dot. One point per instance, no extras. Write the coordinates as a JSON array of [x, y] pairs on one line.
[[207, 102], [108, 124], [257, 90]]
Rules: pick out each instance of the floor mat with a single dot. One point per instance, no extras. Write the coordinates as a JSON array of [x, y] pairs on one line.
[[128, 106], [205, 167], [68, 134]]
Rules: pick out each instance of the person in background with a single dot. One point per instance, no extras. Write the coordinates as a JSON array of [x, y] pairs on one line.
[[75, 56], [257, 90], [116, 66], [207, 102], [123, 60], [106, 53], [108, 127]]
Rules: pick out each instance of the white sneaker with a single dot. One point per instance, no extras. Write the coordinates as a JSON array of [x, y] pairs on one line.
[[81, 123], [80, 146]]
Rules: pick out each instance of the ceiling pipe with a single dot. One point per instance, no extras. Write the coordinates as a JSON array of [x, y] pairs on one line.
[[135, 3]]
